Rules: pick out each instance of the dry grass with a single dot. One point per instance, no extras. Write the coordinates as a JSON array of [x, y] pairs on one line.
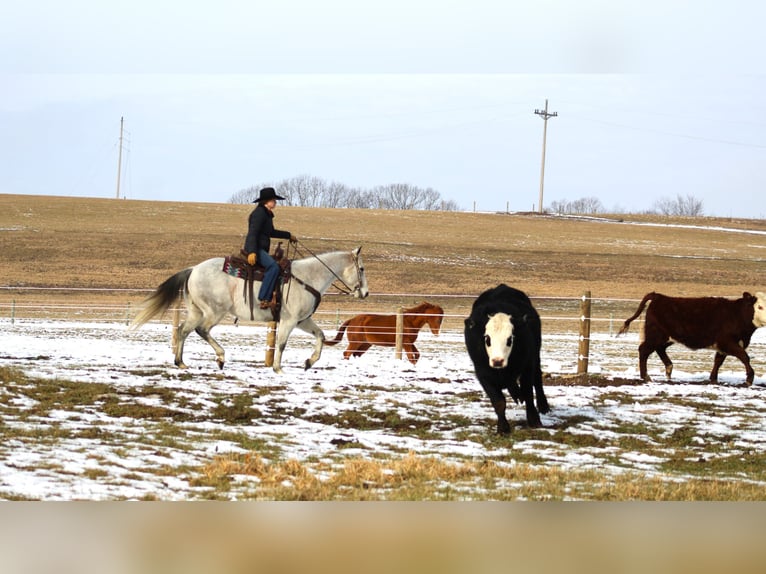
[[414, 477], [119, 244]]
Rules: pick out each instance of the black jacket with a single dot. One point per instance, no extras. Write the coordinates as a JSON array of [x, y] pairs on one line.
[[260, 229]]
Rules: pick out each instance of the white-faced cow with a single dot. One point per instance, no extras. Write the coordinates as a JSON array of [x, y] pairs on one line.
[[717, 323], [503, 339]]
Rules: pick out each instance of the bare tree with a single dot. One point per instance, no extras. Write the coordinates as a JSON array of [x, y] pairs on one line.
[[360, 199], [584, 205], [336, 195], [683, 206], [308, 191]]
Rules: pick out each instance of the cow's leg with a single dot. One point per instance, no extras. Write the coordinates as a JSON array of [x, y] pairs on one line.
[[735, 350], [542, 401], [498, 403], [663, 355], [503, 426], [533, 417], [644, 351], [717, 362]]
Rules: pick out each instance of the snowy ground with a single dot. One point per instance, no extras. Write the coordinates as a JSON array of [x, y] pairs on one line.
[[433, 408]]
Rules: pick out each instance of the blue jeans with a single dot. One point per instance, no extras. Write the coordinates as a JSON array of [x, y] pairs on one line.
[[269, 276]]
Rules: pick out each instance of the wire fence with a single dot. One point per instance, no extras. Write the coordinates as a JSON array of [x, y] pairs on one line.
[[562, 322]]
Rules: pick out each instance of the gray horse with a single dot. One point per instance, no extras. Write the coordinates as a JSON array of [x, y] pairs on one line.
[[210, 294]]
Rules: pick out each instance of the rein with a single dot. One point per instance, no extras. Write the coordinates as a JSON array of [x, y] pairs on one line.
[[345, 288]]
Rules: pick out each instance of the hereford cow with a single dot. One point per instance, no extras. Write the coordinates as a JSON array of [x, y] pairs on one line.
[[503, 339], [698, 323]]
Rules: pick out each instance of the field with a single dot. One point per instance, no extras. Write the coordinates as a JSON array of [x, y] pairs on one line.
[[113, 419]]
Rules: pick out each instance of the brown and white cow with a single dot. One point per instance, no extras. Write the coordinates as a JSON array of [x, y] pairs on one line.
[[717, 323]]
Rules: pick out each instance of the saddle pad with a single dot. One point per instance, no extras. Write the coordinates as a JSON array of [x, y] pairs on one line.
[[236, 267], [230, 268]]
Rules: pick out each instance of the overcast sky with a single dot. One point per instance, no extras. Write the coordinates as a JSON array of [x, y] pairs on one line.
[[653, 101]]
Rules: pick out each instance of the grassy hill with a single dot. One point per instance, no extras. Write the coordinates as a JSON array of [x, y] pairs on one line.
[[88, 243]]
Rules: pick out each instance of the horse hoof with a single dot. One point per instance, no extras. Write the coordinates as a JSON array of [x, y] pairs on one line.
[[307, 365], [220, 364]]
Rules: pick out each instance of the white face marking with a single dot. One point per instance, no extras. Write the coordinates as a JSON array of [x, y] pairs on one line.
[[759, 310], [498, 339]]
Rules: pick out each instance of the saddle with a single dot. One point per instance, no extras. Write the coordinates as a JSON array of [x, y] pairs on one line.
[[236, 265]]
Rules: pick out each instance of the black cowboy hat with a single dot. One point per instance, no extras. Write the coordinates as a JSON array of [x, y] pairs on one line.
[[266, 194]]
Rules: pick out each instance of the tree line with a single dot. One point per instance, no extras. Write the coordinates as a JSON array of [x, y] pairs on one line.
[[681, 205], [308, 191]]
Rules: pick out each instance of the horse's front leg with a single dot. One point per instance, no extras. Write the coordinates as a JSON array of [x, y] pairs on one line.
[[284, 328], [309, 326], [412, 353]]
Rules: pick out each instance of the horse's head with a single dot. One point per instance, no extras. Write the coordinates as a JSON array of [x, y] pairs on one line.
[[425, 314], [354, 275], [434, 316]]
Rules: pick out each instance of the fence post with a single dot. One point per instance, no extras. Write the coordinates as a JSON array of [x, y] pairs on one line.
[[584, 350], [399, 332], [176, 321], [13, 311], [271, 340]]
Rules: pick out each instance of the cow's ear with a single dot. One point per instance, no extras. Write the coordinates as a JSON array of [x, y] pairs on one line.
[[746, 295]]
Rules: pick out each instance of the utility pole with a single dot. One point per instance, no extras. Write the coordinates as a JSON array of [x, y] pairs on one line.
[[119, 161], [545, 115]]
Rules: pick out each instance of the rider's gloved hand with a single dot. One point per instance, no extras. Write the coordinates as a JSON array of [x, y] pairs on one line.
[[251, 258]]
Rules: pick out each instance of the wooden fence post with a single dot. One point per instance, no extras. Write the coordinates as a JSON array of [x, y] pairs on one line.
[[271, 340], [176, 321], [399, 332], [584, 349]]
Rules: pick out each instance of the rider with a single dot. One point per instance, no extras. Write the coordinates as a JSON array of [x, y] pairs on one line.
[[260, 230]]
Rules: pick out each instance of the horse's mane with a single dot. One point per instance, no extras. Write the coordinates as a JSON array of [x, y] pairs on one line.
[[423, 307]]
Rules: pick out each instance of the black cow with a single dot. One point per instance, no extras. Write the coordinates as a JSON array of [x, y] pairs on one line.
[[503, 339], [699, 322]]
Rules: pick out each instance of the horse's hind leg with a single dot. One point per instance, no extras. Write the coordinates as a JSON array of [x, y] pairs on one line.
[[355, 349], [193, 318], [195, 321], [219, 352]]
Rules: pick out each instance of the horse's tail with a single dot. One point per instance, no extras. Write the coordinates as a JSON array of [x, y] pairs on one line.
[[339, 334], [648, 297], [161, 300]]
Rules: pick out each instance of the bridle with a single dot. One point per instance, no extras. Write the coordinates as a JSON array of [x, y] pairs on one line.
[[344, 288]]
